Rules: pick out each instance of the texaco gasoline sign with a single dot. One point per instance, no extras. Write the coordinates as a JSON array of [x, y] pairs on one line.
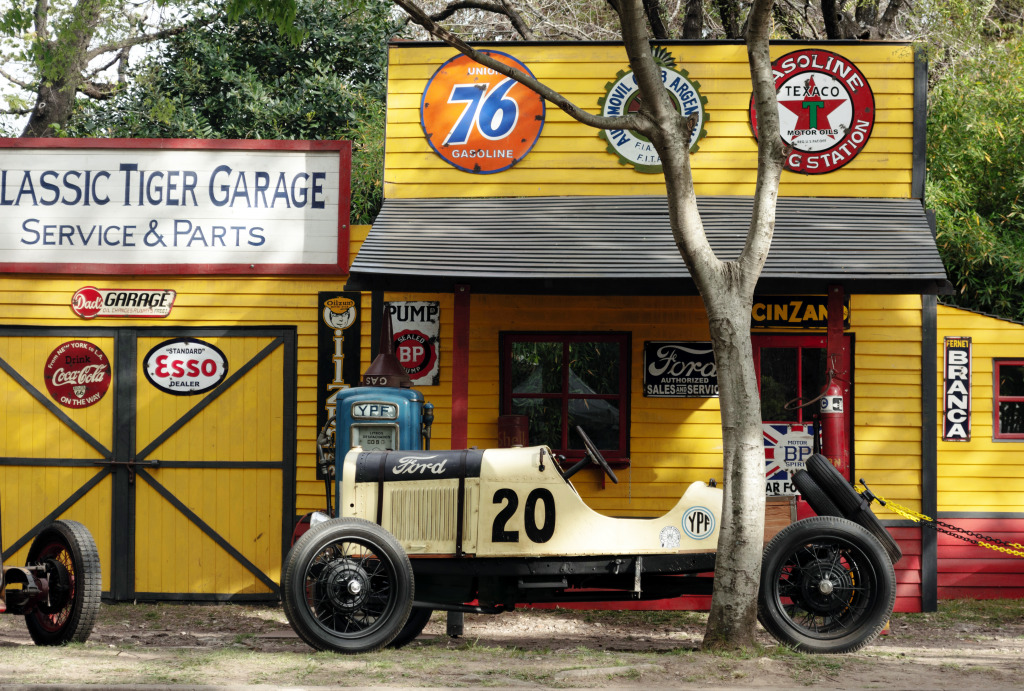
[[826, 110], [622, 96]]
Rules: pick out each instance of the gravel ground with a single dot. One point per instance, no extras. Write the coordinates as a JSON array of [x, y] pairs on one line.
[[964, 645]]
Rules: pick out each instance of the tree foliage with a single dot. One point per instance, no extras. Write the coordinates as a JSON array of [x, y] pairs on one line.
[[975, 176], [53, 52], [246, 80]]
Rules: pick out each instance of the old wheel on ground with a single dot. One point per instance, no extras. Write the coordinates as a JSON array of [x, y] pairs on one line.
[[347, 586], [814, 495], [418, 618], [850, 503], [827, 586], [71, 564]]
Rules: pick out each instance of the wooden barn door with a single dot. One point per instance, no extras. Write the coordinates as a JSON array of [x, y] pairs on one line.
[[189, 497]]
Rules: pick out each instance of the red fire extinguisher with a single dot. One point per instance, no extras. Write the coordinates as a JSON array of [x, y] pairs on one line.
[[834, 444]]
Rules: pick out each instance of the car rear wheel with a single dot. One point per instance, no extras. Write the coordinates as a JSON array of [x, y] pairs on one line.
[[827, 586], [347, 586], [71, 564]]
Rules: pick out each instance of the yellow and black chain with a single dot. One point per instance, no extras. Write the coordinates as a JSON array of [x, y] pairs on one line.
[[986, 541]]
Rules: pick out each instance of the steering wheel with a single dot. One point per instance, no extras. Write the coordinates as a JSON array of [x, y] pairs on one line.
[[595, 455]]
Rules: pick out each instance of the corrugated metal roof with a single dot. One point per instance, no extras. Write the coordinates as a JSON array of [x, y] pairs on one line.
[[624, 245]]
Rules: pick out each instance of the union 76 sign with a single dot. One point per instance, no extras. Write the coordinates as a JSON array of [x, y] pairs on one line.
[[479, 120]]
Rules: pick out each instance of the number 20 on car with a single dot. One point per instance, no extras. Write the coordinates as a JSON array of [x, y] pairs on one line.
[[479, 120]]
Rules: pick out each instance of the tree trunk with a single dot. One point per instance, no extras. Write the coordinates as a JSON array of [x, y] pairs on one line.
[[64, 59]]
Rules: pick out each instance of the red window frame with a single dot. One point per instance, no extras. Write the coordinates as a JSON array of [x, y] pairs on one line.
[[998, 398], [620, 454]]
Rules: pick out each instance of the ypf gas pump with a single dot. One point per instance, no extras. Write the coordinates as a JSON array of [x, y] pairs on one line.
[[384, 413]]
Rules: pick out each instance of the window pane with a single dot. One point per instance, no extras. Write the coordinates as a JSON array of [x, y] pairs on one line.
[[1011, 380], [545, 417], [778, 384], [599, 420], [536, 367], [1011, 418], [594, 368], [815, 366]]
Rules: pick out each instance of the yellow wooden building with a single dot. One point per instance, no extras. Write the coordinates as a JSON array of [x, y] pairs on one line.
[[561, 298]]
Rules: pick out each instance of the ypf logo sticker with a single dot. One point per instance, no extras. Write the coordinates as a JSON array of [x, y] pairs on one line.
[[622, 96], [826, 110], [77, 374], [698, 522], [477, 119]]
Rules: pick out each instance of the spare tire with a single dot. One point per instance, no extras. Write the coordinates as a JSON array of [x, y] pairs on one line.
[[850, 503]]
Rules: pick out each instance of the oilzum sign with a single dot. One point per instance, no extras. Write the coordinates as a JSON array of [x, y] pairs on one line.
[[956, 389], [679, 370]]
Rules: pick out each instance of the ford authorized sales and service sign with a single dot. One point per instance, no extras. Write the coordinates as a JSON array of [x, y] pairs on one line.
[[173, 206]]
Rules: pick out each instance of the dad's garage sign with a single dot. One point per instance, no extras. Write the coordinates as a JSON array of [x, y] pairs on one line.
[[185, 366], [89, 302], [416, 327], [826, 110], [77, 374]]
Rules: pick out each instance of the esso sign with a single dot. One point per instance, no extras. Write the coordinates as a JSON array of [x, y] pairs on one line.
[[185, 366]]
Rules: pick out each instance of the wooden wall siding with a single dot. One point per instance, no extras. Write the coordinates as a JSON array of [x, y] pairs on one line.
[[980, 475], [570, 158], [908, 569], [887, 396], [966, 570]]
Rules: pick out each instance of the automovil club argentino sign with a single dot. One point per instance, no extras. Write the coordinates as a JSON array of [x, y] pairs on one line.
[[247, 207]]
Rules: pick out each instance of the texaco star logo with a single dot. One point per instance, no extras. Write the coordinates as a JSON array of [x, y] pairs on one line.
[[826, 110]]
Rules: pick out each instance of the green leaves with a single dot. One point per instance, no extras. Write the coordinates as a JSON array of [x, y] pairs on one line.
[[975, 177]]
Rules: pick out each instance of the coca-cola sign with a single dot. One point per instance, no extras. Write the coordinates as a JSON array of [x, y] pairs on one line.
[[90, 302], [77, 374], [675, 369]]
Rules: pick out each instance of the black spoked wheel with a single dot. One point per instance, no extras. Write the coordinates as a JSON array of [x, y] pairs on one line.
[[414, 626], [850, 503], [827, 586], [347, 586], [71, 564], [814, 495]]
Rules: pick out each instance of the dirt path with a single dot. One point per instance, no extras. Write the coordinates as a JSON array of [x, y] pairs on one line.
[[964, 646]]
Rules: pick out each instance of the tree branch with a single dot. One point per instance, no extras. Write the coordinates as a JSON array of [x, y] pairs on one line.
[[652, 8], [41, 20], [501, 7], [770, 152], [17, 82], [100, 91], [144, 38], [631, 121]]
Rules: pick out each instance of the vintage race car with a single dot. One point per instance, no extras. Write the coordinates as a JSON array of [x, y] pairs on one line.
[[486, 530]]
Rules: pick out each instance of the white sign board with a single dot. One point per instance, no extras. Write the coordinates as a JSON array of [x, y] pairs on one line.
[[179, 206]]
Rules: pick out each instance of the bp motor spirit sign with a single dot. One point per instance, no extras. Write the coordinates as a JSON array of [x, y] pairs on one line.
[[826, 110], [135, 206]]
